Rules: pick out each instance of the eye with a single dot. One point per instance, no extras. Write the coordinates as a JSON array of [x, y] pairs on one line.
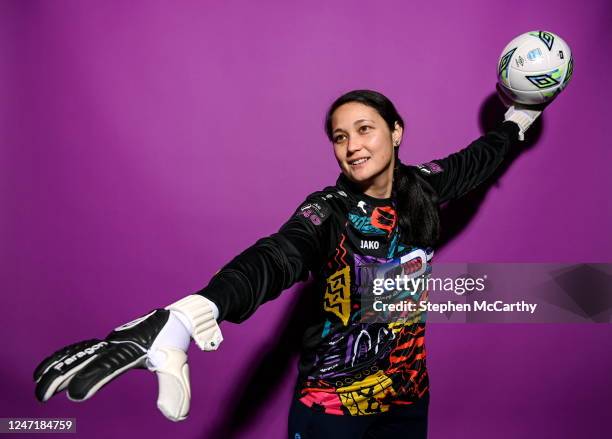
[[364, 129], [339, 138]]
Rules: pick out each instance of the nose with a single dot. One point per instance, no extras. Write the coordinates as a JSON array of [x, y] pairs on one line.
[[353, 145]]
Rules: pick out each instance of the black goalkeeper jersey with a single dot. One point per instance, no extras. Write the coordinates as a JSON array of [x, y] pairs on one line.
[[345, 238]]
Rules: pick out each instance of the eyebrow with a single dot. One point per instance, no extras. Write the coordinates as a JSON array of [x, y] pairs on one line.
[[355, 123]]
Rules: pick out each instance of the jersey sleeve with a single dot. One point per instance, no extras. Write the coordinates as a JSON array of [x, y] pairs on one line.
[[459, 173], [274, 263]]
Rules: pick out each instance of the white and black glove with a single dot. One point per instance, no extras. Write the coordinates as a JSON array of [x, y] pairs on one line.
[[522, 115], [157, 341]]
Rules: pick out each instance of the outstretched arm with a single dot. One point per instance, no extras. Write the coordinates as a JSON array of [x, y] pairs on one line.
[[160, 339], [272, 264]]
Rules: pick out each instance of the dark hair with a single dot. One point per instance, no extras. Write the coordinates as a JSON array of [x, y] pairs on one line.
[[416, 200]]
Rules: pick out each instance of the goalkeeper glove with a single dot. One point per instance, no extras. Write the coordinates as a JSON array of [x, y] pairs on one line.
[[157, 341]]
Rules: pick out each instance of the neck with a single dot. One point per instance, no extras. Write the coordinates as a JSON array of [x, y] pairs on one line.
[[379, 189], [379, 186]]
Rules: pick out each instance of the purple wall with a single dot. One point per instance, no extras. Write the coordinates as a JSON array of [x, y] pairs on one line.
[[144, 144]]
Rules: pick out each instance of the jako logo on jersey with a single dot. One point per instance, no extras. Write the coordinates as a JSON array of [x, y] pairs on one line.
[[87, 351], [370, 244]]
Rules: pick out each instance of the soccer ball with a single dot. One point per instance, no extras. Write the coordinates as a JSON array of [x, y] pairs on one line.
[[535, 67]]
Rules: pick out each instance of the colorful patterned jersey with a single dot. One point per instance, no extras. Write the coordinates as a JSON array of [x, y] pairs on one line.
[[350, 364]]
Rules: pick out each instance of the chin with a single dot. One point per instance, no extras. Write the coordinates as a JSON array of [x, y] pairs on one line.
[[360, 179], [363, 175]]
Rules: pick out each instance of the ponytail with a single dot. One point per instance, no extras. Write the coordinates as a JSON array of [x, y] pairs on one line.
[[416, 206]]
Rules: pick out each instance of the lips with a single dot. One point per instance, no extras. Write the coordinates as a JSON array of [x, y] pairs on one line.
[[359, 161]]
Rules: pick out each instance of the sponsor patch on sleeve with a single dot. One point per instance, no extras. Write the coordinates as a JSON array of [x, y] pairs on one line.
[[430, 168], [314, 211]]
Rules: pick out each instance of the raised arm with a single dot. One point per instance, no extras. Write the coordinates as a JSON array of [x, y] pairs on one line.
[[462, 171]]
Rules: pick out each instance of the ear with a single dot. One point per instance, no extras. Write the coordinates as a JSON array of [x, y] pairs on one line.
[[396, 135]]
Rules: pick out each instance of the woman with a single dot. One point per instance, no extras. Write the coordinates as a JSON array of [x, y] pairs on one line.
[[358, 377]]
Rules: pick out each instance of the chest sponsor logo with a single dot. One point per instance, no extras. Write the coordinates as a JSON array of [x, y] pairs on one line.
[[384, 218], [369, 245]]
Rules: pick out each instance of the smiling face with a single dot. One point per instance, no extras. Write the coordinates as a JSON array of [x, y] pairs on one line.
[[363, 146]]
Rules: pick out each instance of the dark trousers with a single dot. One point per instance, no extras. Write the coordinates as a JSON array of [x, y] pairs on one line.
[[409, 422]]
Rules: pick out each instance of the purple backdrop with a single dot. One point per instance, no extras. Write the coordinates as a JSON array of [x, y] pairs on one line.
[[144, 144]]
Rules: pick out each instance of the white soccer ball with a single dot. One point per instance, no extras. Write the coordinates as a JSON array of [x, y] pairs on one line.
[[534, 67]]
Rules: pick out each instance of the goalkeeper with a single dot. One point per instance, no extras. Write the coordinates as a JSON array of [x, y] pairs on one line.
[[355, 378]]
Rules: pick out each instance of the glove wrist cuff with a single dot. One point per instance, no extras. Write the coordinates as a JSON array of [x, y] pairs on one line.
[[204, 328], [523, 118]]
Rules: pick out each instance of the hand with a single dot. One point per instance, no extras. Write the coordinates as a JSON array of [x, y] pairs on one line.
[[157, 341], [523, 115]]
